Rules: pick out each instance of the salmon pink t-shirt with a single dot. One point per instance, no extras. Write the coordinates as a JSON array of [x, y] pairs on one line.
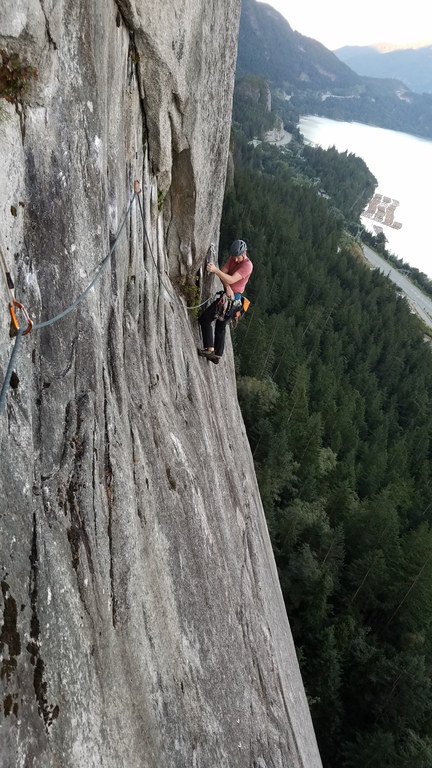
[[244, 268]]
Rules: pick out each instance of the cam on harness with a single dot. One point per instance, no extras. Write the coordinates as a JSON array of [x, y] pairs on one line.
[[231, 309]]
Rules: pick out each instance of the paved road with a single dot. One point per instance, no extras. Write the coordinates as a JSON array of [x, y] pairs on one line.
[[420, 302]]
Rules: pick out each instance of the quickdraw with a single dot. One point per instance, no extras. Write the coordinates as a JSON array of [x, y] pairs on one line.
[[15, 326], [14, 304]]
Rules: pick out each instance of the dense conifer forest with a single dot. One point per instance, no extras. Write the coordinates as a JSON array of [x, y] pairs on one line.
[[335, 385]]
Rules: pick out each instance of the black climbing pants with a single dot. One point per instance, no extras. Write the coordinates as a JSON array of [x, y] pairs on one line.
[[218, 340]]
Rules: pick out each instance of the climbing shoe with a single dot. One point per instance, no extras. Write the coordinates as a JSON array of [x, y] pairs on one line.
[[209, 355]]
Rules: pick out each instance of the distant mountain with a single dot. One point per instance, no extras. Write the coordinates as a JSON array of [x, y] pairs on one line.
[[412, 65], [269, 46], [317, 82]]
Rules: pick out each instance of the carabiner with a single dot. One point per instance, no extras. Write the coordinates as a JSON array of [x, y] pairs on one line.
[[15, 326]]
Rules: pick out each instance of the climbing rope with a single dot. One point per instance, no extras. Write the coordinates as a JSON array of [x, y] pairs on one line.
[[13, 304], [99, 270], [10, 367], [197, 306], [175, 298], [211, 254], [7, 277], [20, 330]]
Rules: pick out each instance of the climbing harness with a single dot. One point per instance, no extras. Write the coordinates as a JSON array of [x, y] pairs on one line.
[[231, 309], [227, 309]]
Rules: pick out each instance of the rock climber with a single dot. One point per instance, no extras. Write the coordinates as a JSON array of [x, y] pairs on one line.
[[234, 275]]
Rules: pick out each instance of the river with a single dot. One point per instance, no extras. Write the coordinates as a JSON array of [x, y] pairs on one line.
[[402, 165]]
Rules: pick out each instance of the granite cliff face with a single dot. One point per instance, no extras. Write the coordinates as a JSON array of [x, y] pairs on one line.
[[141, 620]]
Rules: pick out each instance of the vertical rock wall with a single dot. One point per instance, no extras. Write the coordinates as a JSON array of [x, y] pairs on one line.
[[141, 620]]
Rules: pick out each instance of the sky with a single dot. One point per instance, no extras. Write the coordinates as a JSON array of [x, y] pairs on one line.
[[335, 23]]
